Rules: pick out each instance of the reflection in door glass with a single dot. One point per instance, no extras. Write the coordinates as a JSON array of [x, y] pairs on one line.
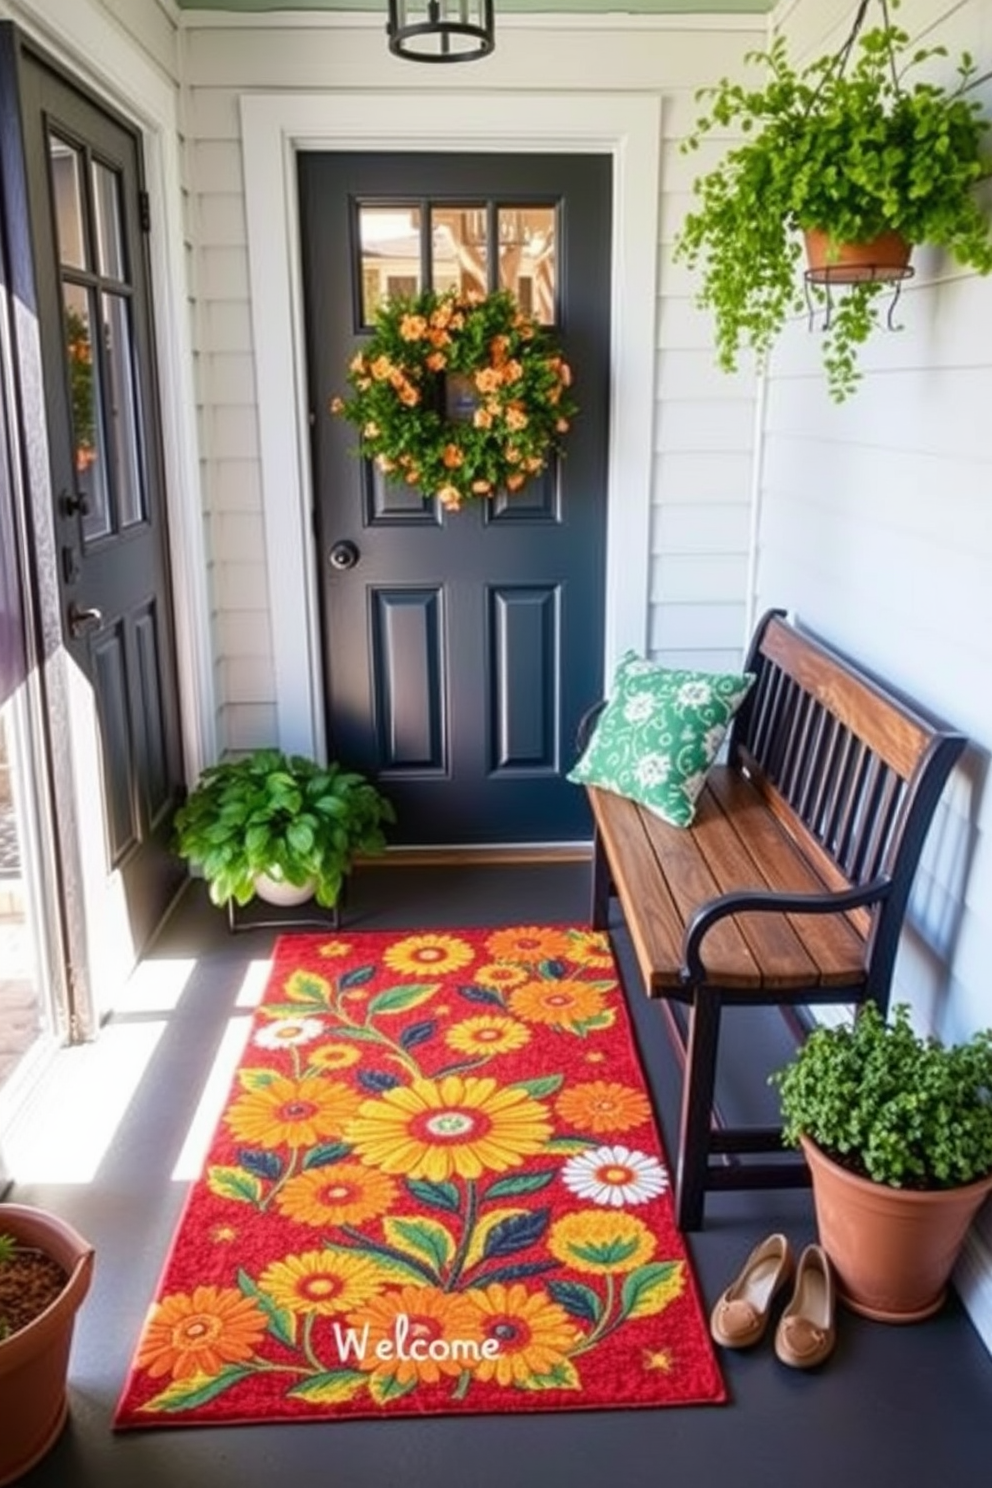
[[67, 197], [120, 410], [84, 399], [390, 246], [461, 250], [109, 240], [527, 259]]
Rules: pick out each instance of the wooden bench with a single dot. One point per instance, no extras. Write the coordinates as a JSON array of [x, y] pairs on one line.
[[790, 887]]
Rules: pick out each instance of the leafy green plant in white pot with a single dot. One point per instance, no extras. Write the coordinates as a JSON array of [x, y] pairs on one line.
[[855, 149], [279, 826]]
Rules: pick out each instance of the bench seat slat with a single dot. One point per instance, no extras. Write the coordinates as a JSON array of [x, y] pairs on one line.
[[832, 942]]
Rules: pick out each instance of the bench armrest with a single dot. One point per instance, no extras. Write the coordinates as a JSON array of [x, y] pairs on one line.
[[766, 901]]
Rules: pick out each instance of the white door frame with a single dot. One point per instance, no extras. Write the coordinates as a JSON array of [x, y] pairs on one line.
[[276, 126]]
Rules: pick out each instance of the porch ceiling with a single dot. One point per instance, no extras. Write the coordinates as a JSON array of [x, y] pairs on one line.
[[540, 7]]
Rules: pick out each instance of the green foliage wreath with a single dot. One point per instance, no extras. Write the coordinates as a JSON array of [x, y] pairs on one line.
[[460, 395]]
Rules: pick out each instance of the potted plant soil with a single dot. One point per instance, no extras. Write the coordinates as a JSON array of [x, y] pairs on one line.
[[45, 1272], [279, 826], [856, 148], [897, 1130]]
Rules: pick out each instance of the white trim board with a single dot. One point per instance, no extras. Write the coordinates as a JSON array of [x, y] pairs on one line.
[[274, 128]]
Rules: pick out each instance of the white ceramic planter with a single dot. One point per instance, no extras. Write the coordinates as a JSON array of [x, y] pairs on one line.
[[278, 891]]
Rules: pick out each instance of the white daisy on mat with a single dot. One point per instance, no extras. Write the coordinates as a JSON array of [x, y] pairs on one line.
[[615, 1176], [284, 1033]]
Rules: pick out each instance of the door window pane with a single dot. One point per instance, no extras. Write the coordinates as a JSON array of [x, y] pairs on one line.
[[109, 239], [121, 411], [390, 248], [84, 400], [67, 196], [528, 259], [459, 236]]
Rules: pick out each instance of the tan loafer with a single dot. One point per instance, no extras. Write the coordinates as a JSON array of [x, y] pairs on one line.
[[805, 1335], [740, 1315]]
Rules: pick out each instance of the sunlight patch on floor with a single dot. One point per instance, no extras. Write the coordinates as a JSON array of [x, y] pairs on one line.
[[212, 1101], [252, 989], [66, 1126], [155, 986]]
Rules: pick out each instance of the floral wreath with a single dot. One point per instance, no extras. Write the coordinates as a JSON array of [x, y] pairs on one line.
[[461, 395]]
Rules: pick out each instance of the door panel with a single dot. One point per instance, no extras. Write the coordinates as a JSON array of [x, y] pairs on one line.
[[94, 312], [461, 649]]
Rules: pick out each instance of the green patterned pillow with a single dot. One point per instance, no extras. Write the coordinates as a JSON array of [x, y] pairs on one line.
[[659, 734]]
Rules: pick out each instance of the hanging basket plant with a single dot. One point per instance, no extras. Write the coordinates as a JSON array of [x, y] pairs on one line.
[[458, 395], [857, 146]]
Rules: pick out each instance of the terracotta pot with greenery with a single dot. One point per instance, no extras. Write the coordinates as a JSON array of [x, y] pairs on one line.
[[897, 1130], [45, 1272], [278, 817], [855, 146]]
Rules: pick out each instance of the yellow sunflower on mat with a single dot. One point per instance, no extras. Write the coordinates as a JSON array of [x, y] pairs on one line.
[[431, 955], [292, 1113], [435, 1129], [487, 1034], [414, 1317], [534, 1334], [198, 1332], [603, 1106], [333, 1056], [344, 1193], [602, 1242], [318, 1281], [527, 943], [499, 974], [590, 948], [563, 1004]]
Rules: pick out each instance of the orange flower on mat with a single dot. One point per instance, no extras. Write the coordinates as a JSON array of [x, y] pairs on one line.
[[487, 1035], [563, 1004], [590, 948], [528, 943], [498, 975], [534, 1334], [334, 948], [436, 1129], [433, 955], [199, 1332], [294, 1113], [344, 1193], [422, 1315], [603, 1106], [601, 1242], [318, 1281], [333, 1056]]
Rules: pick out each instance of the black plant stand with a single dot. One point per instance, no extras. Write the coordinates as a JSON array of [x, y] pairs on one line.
[[289, 919]]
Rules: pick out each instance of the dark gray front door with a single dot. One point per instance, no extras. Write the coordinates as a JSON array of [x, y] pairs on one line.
[[461, 649], [94, 315]]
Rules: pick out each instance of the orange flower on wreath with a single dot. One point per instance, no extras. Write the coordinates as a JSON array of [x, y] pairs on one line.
[[344, 1193], [534, 1334], [436, 954], [292, 1113], [528, 943], [562, 1004], [603, 1106], [197, 1333], [438, 1129]]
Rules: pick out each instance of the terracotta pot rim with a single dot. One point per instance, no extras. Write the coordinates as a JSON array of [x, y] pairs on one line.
[[869, 1185]]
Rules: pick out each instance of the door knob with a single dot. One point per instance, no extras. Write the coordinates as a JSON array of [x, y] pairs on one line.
[[343, 555], [75, 503], [81, 620]]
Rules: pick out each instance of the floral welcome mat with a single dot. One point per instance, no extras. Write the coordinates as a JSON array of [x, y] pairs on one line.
[[437, 1187]]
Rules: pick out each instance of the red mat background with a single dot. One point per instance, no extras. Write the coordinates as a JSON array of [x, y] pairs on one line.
[[437, 1187]]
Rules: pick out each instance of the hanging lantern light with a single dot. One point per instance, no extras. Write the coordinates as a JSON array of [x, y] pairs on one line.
[[441, 30]]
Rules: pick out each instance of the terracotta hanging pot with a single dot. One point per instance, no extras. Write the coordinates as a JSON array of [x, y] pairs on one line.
[[892, 1249], [883, 258], [34, 1361]]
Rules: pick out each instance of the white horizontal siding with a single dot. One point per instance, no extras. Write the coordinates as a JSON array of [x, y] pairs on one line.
[[876, 529]]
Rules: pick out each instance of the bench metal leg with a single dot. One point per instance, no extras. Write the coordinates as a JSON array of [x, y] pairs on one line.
[[697, 1109], [601, 883]]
